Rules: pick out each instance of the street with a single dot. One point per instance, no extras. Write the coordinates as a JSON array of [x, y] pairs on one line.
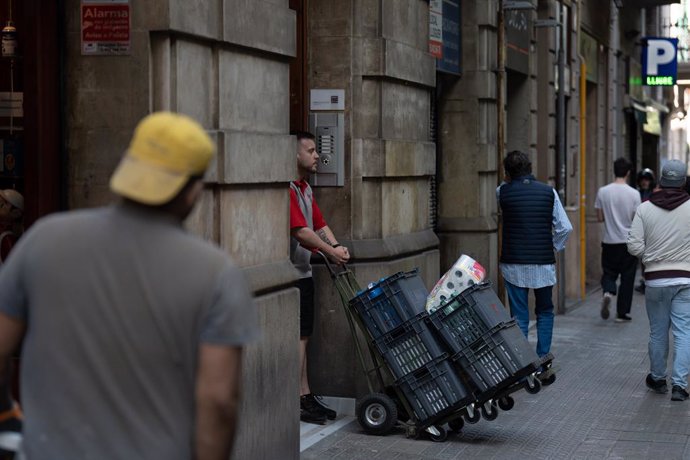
[[599, 407]]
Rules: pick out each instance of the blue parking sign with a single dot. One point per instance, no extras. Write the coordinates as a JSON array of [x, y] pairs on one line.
[[659, 61]]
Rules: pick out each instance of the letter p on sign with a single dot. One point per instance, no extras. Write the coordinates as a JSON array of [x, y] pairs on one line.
[[659, 54], [659, 61]]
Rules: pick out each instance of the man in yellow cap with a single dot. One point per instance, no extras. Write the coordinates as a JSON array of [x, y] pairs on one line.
[[133, 329]]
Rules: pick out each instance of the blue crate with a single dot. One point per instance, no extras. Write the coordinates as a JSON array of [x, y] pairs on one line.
[[390, 302]]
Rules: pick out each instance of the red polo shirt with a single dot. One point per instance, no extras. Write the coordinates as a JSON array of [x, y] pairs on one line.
[[297, 219]]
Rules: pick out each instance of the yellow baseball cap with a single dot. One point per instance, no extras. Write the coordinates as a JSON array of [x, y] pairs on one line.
[[166, 150]]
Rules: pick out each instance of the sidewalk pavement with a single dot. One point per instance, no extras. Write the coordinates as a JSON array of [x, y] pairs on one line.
[[598, 408]]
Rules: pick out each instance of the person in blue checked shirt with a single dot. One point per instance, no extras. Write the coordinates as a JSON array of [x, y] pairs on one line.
[[535, 227]]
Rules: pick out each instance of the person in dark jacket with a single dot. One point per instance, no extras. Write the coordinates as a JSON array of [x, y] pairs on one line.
[[535, 226], [645, 183]]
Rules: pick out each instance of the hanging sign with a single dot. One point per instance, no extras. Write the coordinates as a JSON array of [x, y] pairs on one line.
[[105, 27], [659, 61], [518, 26], [444, 34]]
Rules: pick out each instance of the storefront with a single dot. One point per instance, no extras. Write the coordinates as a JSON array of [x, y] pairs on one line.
[[30, 142]]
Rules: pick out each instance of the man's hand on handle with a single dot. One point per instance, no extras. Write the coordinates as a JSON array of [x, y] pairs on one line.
[[340, 255]]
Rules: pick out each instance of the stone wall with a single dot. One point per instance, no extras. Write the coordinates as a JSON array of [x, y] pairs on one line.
[[467, 176], [208, 59], [377, 51]]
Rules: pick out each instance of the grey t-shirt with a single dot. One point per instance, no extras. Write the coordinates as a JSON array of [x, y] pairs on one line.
[[116, 302], [618, 203]]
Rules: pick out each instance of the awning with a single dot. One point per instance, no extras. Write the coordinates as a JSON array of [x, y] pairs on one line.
[[657, 105]]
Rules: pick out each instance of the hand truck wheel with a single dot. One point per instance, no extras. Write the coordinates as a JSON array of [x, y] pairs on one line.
[[472, 415], [456, 425], [489, 411], [376, 414], [506, 403], [442, 435], [532, 385]]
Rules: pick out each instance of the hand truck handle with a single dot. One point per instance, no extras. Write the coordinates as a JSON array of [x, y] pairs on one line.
[[329, 264]]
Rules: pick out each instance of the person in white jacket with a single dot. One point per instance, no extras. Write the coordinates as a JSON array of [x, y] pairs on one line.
[[660, 236]]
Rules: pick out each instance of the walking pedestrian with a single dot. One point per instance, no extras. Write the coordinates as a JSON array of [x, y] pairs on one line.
[[132, 329], [535, 226], [659, 235], [309, 232], [616, 204]]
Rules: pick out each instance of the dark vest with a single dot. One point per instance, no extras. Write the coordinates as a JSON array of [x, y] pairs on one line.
[[527, 207]]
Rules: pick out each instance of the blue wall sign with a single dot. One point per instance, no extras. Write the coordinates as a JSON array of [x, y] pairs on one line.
[[659, 61], [452, 52]]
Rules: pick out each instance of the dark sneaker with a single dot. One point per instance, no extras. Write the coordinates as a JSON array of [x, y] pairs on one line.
[[640, 287], [605, 302], [327, 411], [678, 393], [310, 412], [657, 386], [10, 430], [623, 319]]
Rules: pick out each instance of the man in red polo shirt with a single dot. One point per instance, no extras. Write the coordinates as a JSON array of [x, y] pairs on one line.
[[309, 233]]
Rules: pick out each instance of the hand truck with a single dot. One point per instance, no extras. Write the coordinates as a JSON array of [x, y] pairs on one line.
[[385, 407]]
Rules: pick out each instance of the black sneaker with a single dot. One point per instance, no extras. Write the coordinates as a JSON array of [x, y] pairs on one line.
[[623, 319], [657, 386], [640, 287], [327, 411], [10, 431], [605, 302], [310, 412], [678, 393]]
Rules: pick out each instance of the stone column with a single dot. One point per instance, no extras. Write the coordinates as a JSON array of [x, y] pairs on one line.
[[467, 163], [225, 63], [377, 51]]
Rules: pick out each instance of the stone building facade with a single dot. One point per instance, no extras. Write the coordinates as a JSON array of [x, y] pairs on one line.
[[420, 146]]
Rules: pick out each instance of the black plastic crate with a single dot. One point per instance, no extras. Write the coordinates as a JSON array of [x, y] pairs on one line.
[[434, 391], [465, 318], [497, 359], [390, 302], [409, 347]]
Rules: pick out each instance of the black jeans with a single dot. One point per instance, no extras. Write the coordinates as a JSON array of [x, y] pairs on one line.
[[615, 260]]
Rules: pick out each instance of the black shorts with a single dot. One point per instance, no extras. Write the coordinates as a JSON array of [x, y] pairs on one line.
[[306, 306]]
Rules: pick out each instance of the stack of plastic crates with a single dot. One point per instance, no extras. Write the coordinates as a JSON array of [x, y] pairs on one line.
[[487, 346], [393, 312]]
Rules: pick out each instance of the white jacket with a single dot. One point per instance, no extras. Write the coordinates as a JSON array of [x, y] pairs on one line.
[[661, 238]]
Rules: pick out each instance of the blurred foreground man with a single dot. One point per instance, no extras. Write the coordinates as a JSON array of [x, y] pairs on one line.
[[659, 235], [133, 329], [535, 227]]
